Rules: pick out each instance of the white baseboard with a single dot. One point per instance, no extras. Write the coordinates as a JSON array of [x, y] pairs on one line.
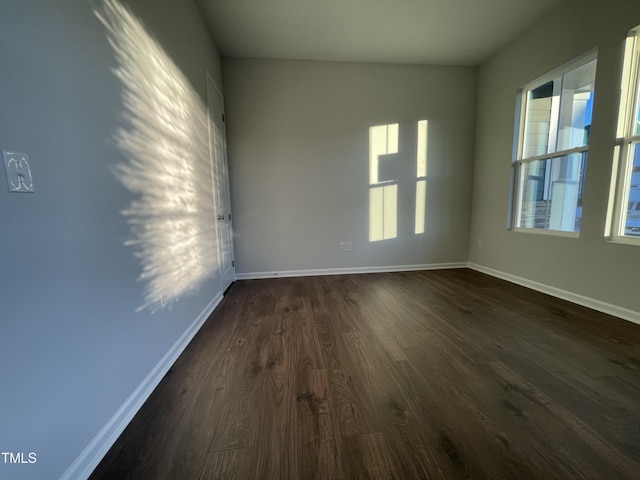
[[348, 271], [91, 456], [608, 308]]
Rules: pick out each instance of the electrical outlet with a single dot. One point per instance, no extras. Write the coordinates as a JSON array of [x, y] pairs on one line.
[[348, 246], [480, 243], [343, 246]]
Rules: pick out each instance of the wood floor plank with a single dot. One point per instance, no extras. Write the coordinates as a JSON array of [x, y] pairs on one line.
[[440, 375], [319, 443], [227, 465], [367, 456], [353, 404]]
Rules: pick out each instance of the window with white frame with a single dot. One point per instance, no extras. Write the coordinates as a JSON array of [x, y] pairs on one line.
[[552, 142], [624, 208]]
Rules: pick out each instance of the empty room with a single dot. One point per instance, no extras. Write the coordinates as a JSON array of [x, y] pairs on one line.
[[303, 239]]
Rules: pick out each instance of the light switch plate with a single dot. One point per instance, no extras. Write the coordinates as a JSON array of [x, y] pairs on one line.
[[18, 170]]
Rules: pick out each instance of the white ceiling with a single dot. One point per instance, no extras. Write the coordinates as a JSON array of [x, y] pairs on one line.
[[443, 32]]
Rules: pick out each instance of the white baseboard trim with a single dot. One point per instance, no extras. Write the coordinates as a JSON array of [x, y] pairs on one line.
[[608, 308], [349, 271], [95, 451]]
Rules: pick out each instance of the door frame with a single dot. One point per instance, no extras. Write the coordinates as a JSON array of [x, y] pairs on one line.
[[228, 276]]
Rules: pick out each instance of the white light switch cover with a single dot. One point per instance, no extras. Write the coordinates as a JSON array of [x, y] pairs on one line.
[[18, 170]]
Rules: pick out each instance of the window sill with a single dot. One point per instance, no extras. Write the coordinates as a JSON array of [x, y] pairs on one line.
[[626, 240], [551, 233]]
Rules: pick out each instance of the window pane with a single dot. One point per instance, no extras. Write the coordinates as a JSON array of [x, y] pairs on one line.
[[575, 107], [625, 85], [558, 113], [541, 119], [551, 193], [632, 220]]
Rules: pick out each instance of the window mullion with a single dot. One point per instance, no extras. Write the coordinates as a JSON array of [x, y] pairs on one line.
[[633, 100], [559, 113], [627, 167], [519, 194], [618, 222], [524, 106], [562, 153]]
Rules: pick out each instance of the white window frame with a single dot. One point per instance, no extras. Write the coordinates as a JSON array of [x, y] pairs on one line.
[[519, 161], [626, 140]]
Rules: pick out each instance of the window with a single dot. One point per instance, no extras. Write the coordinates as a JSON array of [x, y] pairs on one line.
[[624, 208], [554, 120]]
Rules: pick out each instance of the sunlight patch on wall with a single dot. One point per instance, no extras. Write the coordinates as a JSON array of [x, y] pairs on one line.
[[421, 176], [387, 173], [165, 139], [383, 182]]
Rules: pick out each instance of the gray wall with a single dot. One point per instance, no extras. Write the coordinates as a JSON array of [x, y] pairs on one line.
[[72, 347], [298, 140], [587, 266]]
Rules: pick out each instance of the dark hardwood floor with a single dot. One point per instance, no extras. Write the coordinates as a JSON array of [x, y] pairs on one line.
[[446, 374]]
